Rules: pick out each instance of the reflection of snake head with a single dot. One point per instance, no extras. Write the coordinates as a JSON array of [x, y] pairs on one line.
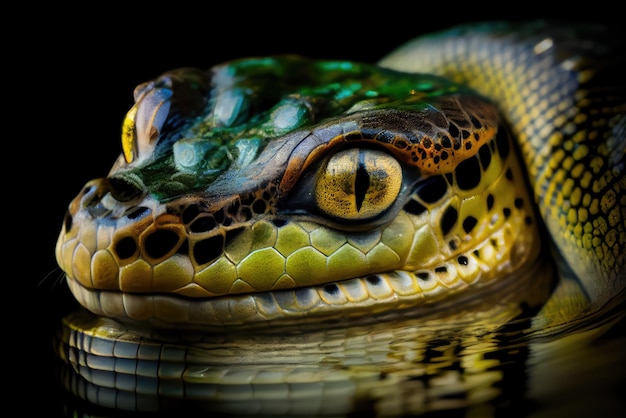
[[286, 188]]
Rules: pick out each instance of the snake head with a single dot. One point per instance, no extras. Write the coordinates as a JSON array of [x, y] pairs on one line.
[[285, 188]]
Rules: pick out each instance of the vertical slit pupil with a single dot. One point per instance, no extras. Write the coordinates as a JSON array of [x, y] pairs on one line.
[[361, 183]]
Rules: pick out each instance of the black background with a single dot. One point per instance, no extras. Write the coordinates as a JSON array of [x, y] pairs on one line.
[[72, 72]]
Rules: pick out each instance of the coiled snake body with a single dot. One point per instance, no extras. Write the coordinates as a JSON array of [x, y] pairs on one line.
[[289, 236]]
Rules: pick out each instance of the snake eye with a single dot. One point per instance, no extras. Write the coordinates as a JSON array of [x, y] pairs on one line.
[[358, 184], [144, 121]]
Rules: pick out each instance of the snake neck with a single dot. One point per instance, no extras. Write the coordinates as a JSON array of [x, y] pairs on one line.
[[568, 112]]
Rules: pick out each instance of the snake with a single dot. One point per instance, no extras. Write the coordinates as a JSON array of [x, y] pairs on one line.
[[278, 229]]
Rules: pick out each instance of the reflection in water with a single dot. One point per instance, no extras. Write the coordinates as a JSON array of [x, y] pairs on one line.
[[511, 353]]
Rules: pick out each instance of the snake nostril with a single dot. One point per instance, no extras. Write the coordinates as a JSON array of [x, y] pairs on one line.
[[92, 193], [124, 189]]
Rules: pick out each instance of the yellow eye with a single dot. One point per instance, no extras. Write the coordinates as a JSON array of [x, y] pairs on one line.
[[357, 184], [144, 121]]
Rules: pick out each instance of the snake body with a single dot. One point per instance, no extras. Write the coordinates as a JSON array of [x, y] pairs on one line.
[[299, 208]]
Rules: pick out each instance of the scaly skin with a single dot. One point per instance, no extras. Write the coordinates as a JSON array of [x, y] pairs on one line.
[[565, 102], [351, 215], [365, 193]]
